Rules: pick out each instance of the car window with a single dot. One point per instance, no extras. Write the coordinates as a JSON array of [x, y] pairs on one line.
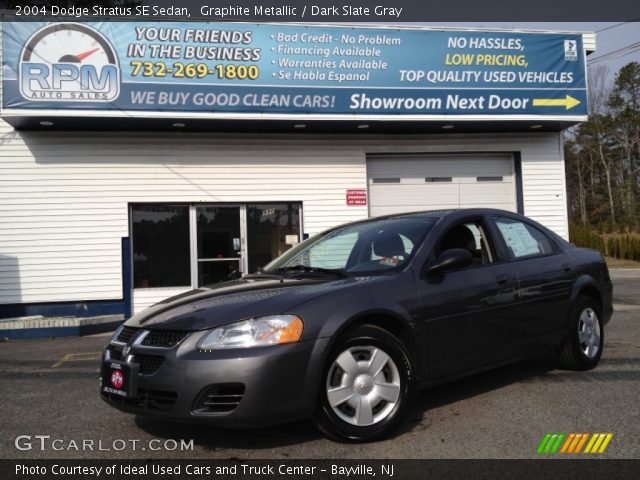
[[522, 239], [332, 253], [372, 246], [471, 236]]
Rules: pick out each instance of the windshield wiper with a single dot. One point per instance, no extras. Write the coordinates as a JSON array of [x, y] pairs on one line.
[[307, 268]]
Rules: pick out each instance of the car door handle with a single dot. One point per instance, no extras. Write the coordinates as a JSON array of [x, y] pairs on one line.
[[566, 267], [504, 279]]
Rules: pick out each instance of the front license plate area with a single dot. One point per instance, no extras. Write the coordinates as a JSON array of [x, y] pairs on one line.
[[120, 378]]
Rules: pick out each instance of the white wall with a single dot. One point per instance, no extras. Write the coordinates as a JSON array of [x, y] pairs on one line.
[[64, 195]]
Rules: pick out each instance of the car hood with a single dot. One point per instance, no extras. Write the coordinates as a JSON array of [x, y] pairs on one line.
[[233, 301]]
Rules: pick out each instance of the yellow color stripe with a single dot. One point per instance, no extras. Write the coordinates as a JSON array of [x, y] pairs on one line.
[[584, 439], [567, 442], [594, 437], [605, 443], [596, 445]]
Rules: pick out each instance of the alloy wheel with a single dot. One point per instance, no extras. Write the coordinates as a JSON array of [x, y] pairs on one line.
[[363, 385], [589, 332]]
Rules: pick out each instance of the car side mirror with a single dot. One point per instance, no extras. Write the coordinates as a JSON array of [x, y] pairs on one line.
[[450, 260]]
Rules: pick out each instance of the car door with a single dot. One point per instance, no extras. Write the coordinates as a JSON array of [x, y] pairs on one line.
[[545, 277], [467, 314]]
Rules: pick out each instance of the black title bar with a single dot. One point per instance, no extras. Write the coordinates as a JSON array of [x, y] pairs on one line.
[[329, 10], [318, 469]]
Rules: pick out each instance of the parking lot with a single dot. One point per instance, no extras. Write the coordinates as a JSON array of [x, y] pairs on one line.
[[50, 387]]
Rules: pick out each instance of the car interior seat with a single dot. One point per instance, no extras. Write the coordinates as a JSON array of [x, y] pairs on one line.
[[461, 237], [390, 247]]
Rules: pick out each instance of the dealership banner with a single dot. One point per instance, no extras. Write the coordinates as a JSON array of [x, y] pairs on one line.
[[235, 69]]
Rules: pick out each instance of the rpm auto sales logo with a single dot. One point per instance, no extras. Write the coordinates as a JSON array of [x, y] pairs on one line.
[[69, 62], [117, 379]]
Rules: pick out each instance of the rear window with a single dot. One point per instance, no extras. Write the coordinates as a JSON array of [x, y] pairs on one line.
[[522, 239]]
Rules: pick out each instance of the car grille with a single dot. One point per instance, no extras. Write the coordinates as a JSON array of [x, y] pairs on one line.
[[126, 334], [220, 398], [164, 338], [158, 400], [148, 363], [115, 353]]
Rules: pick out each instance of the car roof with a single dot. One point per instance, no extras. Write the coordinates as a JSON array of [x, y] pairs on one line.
[[430, 214], [453, 213], [457, 212], [469, 212]]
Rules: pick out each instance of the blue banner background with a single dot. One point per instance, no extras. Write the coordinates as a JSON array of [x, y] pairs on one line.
[[409, 50]]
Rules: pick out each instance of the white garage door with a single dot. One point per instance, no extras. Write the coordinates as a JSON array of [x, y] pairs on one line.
[[430, 182]]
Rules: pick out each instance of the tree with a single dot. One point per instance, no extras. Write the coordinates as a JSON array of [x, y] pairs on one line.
[[603, 154], [624, 103]]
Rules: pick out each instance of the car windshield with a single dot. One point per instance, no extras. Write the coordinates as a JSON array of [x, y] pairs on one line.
[[375, 246]]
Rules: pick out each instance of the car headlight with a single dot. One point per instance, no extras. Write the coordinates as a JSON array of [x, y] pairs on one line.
[[255, 332]]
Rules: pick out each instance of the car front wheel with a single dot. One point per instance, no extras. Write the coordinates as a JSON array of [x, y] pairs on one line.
[[368, 386], [582, 349]]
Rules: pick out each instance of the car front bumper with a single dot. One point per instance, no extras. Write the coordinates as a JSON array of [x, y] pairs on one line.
[[249, 387]]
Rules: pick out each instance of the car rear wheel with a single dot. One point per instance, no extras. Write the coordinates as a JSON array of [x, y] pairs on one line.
[[367, 386], [583, 347]]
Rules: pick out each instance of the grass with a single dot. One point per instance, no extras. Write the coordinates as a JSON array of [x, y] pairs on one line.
[[621, 263]]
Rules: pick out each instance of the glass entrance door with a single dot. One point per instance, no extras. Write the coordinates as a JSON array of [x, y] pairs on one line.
[[219, 250]]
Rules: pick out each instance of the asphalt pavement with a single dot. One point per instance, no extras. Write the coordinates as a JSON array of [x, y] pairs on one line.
[[50, 388]]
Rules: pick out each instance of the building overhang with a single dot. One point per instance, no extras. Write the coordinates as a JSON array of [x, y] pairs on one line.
[[222, 122]]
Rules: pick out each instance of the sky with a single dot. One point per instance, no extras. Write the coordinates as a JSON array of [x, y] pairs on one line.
[[610, 36]]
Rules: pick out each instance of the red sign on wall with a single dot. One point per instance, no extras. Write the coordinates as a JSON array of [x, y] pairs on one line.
[[356, 196]]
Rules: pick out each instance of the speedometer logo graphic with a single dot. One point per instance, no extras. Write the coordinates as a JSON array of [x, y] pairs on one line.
[[69, 62]]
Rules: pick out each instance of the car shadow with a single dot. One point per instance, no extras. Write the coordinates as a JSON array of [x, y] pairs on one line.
[[212, 438], [477, 384], [303, 431]]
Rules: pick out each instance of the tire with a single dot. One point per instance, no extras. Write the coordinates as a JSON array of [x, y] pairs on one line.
[[582, 348], [368, 386]]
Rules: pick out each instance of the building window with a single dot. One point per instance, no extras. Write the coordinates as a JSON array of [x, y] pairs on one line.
[[228, 240], [272, 229], [386, 180], [160, 238]]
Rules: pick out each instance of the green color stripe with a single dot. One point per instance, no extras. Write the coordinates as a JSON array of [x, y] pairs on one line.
[[543, 443], [555, 448], [550, 443]]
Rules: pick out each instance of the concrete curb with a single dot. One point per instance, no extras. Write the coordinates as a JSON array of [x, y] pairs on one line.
[[52, 327], [624, 273]]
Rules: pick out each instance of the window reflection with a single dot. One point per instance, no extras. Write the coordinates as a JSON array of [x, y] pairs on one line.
[[272, 229], [162, 249], [218, 232], [160, 245]]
